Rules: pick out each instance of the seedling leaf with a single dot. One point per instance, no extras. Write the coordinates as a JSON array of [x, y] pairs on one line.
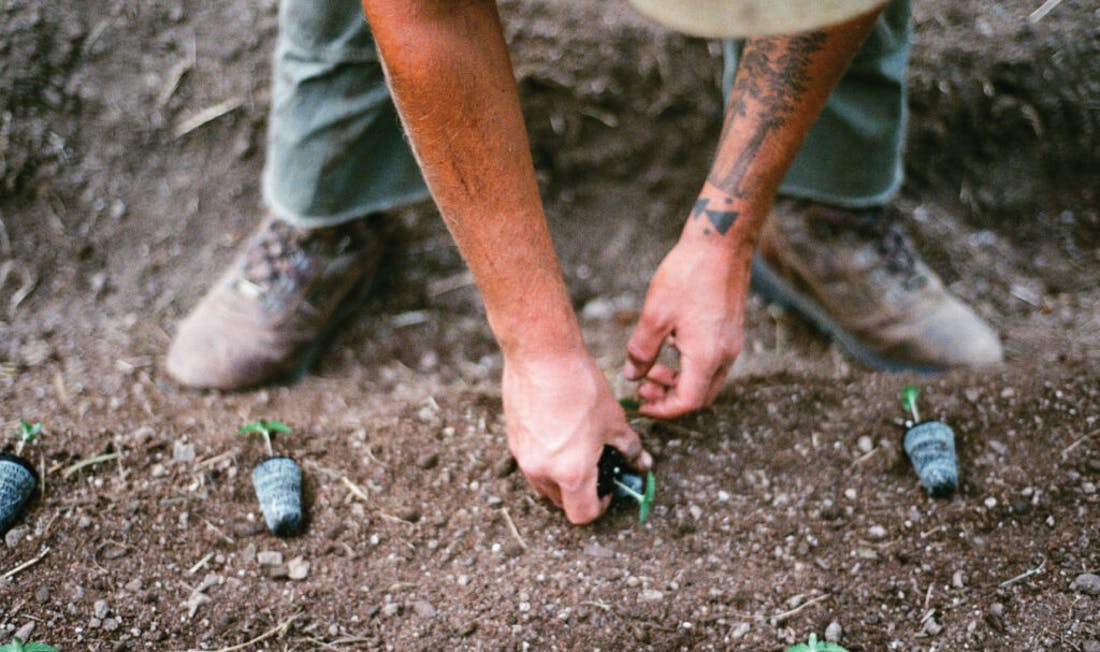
[[27, 432], [264, 427], [813, 645], [39, 647], [909, 400], [630, 404], [647, 500]]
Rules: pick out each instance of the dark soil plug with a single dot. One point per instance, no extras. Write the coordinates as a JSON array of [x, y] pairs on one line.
[[615, 477], [18, 480], [278, 483], [930, 446]]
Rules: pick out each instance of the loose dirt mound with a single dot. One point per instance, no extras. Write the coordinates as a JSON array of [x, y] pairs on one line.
[[785, 507]]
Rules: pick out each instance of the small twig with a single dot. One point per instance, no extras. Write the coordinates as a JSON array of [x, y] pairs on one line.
[[209, 114], [210, 461], [1077, 442], [1043, 10], [202, 562], [512, 527], [355, 489], [787, 614], [226, 537], [1034, 571], [107, 457], [862, 458], [277, 630], [175, 75], [25, 565], [928, 596]]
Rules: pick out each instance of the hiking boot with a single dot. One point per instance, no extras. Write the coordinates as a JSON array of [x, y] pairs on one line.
[[855, 277], [266, 316]]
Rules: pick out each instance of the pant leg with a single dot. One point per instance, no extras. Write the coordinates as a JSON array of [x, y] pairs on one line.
[[336, 149], [852, 156]]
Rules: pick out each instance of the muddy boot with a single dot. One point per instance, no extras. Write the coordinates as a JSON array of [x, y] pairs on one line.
[[265, 318], [854, 276]]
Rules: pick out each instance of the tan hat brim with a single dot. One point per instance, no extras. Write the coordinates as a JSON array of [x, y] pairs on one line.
[[742, 18]]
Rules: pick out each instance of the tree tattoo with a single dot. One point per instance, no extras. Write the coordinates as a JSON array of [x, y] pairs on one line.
[[774, 74]]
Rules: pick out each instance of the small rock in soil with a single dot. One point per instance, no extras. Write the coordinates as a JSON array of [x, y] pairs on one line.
[[279, 572], [101, 609], [651, 595], [1092, 645], [1087, 583], [596, 550], [424, 609], [134, 585], [24, 632], [391, 609], [297, 569], [931, 627], [269, 558], [245, 529], [512, 549], [876, 533], [334, 532], [834, 632], [16, 535], [183, 453], [740, 630], [428, 461], [42, 594], [410, 514]]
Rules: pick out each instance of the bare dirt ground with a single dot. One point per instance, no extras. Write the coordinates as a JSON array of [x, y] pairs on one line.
[[787, 506]]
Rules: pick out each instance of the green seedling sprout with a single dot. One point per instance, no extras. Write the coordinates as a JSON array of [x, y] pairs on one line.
[[27, 432], [644, 500], [813, 645], [18, 645], [265, 428], [630, 404], [909, 401]]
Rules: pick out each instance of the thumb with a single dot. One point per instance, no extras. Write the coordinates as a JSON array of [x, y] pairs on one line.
[[644, 346]]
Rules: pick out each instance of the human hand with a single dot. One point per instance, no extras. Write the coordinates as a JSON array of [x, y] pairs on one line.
[[560, 412], [696, 305]]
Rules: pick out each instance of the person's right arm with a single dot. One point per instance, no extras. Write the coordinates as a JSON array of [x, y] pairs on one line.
[[449, 71]]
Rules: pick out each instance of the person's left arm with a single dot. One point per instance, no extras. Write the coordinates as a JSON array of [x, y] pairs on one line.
[[696, 300]]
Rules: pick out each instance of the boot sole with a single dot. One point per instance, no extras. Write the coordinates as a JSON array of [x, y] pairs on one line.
[[775, 289]]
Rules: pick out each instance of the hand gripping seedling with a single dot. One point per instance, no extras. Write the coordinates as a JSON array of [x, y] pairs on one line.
[[18, 478], [930, 446], [278, 482], [614, 477]]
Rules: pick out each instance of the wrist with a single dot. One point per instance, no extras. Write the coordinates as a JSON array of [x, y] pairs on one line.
[[725, 225], [538, 330]]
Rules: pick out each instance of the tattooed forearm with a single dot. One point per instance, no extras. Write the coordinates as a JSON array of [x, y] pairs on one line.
[[773, 75], [719, 219]]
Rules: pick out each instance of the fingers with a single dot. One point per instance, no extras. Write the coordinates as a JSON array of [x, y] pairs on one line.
[[644, 346], [630, 445], [581, 504], [697, 385]]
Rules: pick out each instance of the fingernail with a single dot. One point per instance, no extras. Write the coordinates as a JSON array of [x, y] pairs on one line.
[[647, 461], [630, 371]]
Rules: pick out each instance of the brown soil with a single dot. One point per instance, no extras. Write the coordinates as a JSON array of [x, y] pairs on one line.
[[786, 506]]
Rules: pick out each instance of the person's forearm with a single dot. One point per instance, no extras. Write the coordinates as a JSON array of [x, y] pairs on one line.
[[782, 84], [452, 81]]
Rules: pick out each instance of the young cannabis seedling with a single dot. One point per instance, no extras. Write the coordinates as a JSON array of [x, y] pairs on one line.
[[18, 477], [614, 476], [27, 433], [930, 446], [264, 428], [814, 645], [277, 480], [17, 645], [909, 401]]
